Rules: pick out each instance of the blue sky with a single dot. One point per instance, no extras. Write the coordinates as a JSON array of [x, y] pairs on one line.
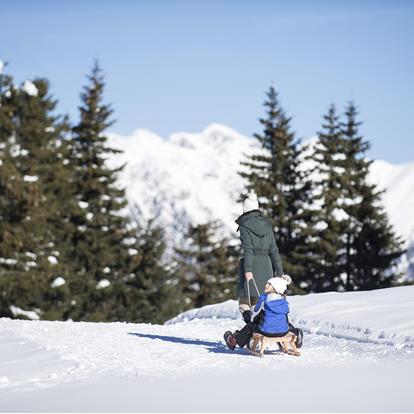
[[181, 65]]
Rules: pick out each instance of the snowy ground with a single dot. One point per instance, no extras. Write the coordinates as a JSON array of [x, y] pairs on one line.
[[358, 355]]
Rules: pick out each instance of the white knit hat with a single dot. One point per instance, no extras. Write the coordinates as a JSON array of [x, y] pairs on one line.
[[279, 284], [250, 203]]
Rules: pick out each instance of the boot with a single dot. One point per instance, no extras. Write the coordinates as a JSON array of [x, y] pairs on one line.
[[299, 337], [230, 340]]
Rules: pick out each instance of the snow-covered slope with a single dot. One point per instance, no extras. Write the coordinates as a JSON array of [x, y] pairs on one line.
[[361, 342], [351, 315]]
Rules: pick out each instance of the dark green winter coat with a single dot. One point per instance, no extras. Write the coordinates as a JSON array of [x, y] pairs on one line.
[[260, 252]]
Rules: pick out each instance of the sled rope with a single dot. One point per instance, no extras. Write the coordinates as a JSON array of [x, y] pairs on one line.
[[248, 291]]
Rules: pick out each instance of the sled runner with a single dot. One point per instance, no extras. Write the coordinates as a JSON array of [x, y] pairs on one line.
[[260, 343]]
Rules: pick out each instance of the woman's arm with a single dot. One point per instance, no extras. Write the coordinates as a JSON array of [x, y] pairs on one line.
[[274, 256], [247, 246]]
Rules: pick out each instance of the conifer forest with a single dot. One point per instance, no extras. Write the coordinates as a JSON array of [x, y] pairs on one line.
[[71, 249]]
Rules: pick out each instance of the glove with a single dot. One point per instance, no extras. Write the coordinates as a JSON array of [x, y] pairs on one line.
[[247, 315]]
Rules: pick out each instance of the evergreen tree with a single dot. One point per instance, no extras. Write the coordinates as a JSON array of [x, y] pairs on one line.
[[276, 176], [372, 249], [153, 294], [35, 175], [100, 254], [206, 267], [355, 247], [330, 184]]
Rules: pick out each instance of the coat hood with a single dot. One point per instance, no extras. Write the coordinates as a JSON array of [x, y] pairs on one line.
[[254, 222]]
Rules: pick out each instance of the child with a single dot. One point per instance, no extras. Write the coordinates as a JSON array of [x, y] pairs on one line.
[[273, 321]]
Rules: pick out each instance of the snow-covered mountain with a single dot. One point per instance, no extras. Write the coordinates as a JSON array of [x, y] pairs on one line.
[[190, 177]]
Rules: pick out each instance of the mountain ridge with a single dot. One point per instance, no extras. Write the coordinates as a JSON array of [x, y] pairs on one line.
[[192, 177]]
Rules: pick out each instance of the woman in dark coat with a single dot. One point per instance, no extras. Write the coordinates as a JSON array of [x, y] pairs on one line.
[[261, 259]]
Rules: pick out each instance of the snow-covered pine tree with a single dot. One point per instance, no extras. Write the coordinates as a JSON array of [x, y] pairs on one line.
[[100, 252], [206, 267], [276, 176], [12, 201], [372, 249], [31, 201], [330, 189]]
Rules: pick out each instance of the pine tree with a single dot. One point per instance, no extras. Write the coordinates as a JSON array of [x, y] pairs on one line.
[[355, 247], [276, 176], [330, 184], [153, 293], [100, 252], [33, 155], [372, 249], [206, 266]]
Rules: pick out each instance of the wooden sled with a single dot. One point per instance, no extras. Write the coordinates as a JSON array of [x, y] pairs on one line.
[[260, 343]]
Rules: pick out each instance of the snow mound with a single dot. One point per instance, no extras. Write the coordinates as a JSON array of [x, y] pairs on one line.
[[383, 316], [225, 310]]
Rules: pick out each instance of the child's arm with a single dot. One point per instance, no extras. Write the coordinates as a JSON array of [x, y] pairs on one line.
[[259, 306], [260, 301]]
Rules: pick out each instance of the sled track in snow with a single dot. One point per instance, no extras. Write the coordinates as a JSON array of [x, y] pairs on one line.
[[354, 333], [329, 329]]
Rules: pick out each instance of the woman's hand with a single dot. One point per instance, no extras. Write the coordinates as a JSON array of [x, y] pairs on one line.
[[248, 276]]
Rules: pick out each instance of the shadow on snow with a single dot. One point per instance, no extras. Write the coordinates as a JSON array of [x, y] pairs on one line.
[[215, 347]]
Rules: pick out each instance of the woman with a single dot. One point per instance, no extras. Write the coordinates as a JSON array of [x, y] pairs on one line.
[[261, 258]]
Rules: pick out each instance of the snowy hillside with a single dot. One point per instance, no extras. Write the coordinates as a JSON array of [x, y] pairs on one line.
[[361, 342], [193, 178]]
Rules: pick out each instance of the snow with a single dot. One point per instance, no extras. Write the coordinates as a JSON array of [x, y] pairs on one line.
[[30, 178], [16, 311], [83, 204], [340, 214], [8, 261], [398, 183], [124, 367], [30, 88], [52, 260], [185, 178], [59, 281], [193, 178], [102, 284]]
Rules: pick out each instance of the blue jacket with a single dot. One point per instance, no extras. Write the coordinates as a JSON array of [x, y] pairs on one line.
[[275, 309]]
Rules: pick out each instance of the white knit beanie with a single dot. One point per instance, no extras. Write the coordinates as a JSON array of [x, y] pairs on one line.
[[279, 284], [250, 203]]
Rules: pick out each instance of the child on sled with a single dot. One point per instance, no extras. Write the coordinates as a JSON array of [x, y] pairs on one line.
[[270, 317]]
